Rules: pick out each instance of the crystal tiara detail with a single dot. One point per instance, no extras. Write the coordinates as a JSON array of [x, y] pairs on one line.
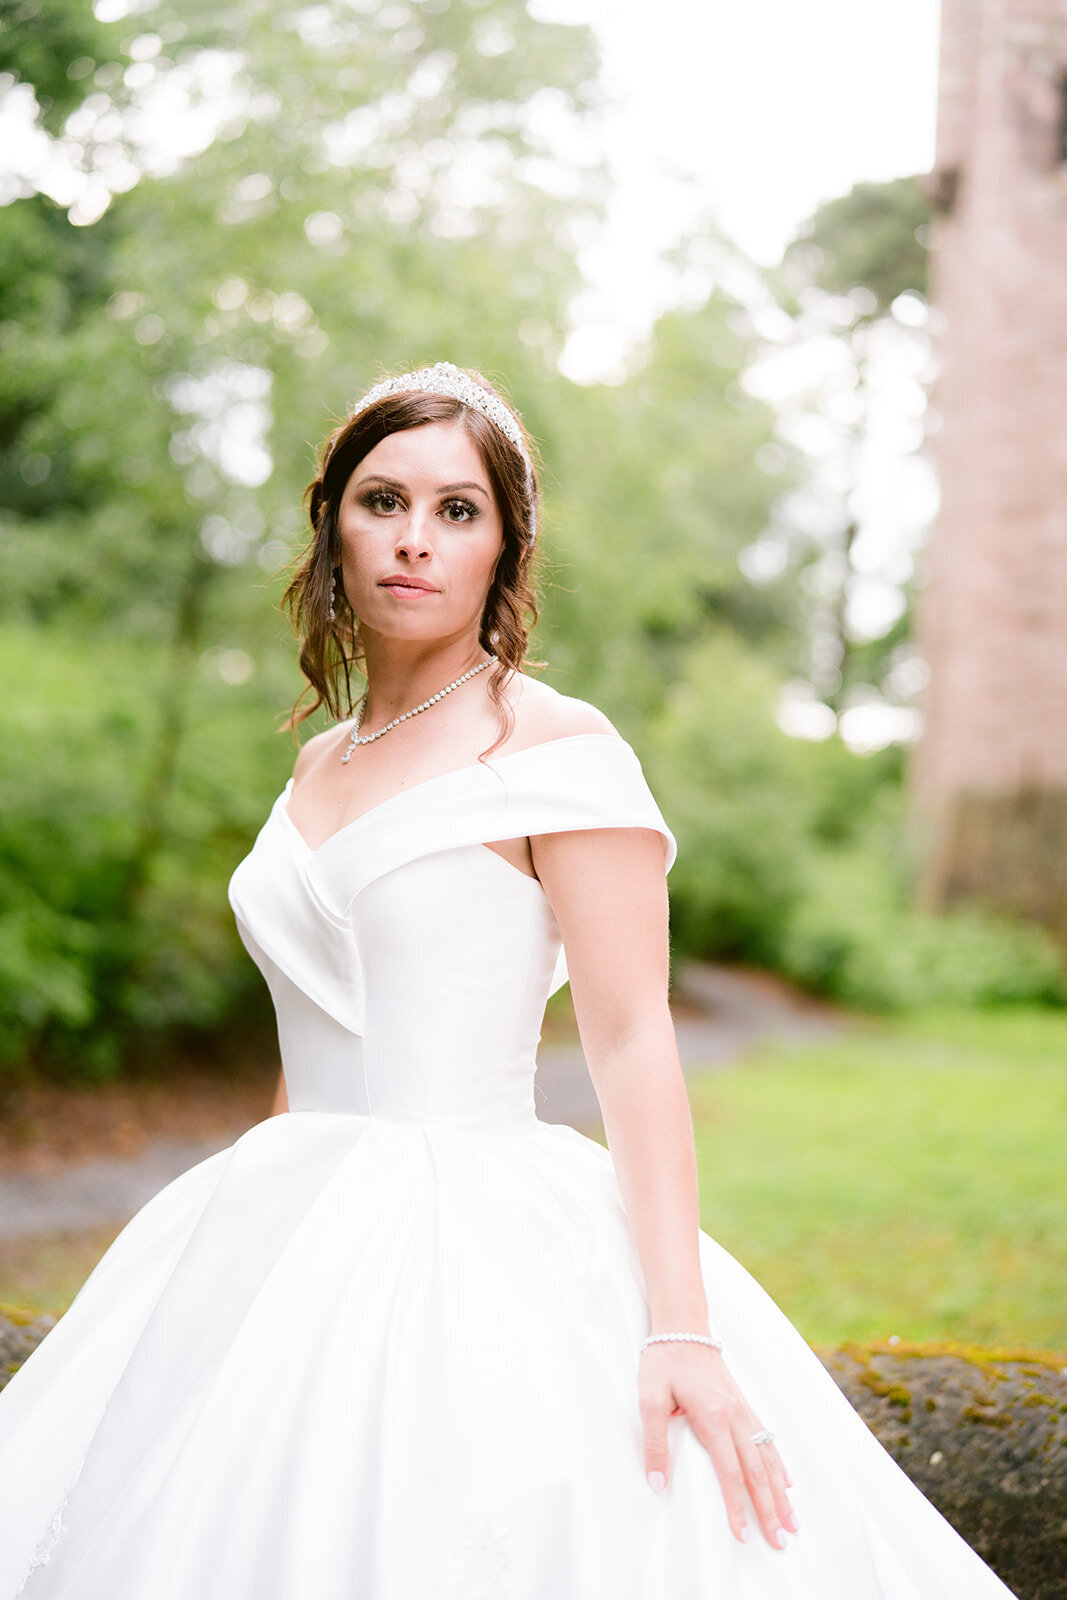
[[446, 378]]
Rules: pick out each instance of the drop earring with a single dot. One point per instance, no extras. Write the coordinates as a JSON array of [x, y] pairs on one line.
[[333, 595]]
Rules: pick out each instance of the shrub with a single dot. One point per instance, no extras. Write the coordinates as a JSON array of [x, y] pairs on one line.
[[851, 935]]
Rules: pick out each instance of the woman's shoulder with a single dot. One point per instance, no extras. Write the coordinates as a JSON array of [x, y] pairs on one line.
[[318, 745], [544, 714], [601, 785]]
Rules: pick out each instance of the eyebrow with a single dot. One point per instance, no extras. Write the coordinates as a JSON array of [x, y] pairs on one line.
[[444, 488]]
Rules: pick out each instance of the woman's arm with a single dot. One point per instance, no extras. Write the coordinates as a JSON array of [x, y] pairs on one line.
[[608, 890], [609, 893]]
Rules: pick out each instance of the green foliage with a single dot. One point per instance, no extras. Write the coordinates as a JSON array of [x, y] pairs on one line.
[[54, 46], [868, 237], [86, 973], [655, 494], [853, 935], [795, 854], [733, 792], [44, 965]]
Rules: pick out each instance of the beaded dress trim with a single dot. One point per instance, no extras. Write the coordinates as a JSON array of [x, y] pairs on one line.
[[51, 1536]]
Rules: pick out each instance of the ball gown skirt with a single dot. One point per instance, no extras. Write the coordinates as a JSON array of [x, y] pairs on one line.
[[385, 1346]]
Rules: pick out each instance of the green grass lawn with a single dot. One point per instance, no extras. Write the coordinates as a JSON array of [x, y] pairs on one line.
[[907, 1180]]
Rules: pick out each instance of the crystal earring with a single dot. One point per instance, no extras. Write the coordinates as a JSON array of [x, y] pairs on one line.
[[333, 595]]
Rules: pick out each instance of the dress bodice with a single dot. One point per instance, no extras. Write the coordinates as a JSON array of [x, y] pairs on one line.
[[409, 966]]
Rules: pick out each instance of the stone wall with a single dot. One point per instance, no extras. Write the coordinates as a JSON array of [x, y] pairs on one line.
[[984, 1436]]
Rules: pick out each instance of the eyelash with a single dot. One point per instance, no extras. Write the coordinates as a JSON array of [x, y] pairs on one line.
[[374, 495]]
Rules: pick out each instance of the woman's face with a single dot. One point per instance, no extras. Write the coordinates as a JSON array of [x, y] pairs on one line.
[[420, 506]]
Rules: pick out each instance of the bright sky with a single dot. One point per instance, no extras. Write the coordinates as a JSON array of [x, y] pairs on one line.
[[752, 110]]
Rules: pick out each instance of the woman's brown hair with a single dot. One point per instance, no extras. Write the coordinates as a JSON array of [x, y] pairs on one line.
[[330, 650]]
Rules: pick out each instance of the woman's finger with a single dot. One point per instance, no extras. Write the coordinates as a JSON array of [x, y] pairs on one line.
[[758, 1479], [778, 1478], [655, 1409], [713, 1431], [765, 1476], [780, 1483]]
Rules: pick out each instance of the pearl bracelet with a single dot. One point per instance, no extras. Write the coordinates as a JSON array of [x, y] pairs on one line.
[[695, 1338]]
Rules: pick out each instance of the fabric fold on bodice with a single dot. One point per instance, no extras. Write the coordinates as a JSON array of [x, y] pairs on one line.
[[297, 907]]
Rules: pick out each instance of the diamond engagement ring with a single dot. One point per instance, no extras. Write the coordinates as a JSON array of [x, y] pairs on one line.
[[763, 1438]]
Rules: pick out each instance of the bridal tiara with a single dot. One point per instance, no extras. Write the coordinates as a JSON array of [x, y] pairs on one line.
[[446, 378]]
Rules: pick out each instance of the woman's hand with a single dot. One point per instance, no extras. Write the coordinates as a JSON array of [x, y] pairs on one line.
[[678, 1376]]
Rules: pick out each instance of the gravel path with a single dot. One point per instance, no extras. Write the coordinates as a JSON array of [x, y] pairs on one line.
[[721, 1012]]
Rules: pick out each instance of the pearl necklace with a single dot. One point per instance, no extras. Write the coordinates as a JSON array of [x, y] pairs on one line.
[[367, 738]]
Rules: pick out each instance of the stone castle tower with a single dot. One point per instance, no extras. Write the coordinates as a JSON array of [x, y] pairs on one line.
[[988, 779]]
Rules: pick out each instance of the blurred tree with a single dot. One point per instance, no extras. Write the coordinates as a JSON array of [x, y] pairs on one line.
[[374, 187], [872, 238], [660, 490], [853, 283], [54, 46]]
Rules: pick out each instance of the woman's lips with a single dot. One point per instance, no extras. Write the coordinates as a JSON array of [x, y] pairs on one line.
[[408, 590]]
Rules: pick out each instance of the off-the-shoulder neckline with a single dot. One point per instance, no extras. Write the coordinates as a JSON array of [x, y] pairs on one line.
[[425, 783]]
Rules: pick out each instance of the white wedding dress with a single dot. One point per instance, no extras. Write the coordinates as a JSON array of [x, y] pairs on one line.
[[385, 1346]]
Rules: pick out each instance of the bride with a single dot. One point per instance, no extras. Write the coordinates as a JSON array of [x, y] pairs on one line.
[[427, 536], [403, 1340]]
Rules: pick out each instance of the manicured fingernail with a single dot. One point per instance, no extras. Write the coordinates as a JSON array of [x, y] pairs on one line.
[[745, 1534], [657, 1480], [779, 1538], [793, 1523]]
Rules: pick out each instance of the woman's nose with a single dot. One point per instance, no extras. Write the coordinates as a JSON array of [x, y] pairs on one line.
[[416, 534]]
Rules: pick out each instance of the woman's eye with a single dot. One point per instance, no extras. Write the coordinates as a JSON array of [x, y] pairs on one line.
[[466, 511], [380, 500]]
